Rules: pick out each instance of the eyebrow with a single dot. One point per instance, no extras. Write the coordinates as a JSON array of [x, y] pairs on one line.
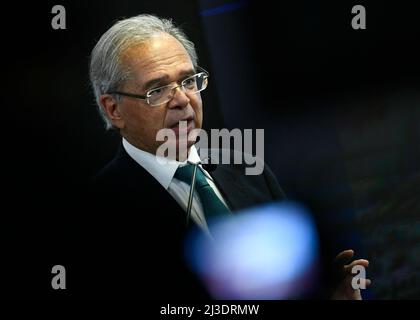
[[157, 81], [151, 83], [187, 73]]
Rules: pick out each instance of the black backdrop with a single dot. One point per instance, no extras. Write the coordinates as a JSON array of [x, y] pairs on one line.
[[340, 109]]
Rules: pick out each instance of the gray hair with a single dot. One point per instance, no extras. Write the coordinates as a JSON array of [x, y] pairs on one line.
[[106, 70]]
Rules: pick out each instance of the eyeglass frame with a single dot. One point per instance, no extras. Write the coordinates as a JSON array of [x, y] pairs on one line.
[[147, 97]]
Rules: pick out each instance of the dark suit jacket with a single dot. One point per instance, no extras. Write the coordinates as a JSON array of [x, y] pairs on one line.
[[134, 230]]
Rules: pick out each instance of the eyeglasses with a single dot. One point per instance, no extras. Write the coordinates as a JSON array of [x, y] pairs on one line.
[[158, 96]]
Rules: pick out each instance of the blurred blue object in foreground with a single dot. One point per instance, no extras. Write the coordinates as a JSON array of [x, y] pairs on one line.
[[266, 252]]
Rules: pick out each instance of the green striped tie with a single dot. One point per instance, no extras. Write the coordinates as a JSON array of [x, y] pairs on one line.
[[212, 205]]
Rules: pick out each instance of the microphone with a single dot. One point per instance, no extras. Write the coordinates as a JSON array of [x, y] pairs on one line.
[[190, 197], [209, 167]]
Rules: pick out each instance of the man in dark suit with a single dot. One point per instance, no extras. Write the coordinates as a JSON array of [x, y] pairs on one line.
[[146, 79], [142, 226]]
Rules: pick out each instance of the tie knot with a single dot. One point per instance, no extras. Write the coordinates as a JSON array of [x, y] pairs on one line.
[[212, 205], [185, 174]]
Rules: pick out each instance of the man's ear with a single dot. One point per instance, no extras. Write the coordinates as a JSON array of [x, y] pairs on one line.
[[111, 108]]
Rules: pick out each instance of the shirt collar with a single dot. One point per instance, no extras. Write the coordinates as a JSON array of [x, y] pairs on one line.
[[162, 169]]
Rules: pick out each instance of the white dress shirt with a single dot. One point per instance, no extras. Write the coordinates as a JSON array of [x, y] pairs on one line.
[[163, 170]]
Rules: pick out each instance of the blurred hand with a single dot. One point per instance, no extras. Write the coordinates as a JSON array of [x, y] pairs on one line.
[[343, 266]]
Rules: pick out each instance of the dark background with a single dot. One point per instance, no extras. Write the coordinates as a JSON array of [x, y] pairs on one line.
[[340, 109]]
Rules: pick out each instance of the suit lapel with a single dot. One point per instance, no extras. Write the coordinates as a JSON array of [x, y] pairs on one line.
[[232, 187], [159, 207]]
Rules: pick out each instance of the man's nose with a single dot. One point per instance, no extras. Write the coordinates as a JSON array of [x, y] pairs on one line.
[[180, 99]]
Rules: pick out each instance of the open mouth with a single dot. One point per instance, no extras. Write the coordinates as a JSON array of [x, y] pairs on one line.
[[183, 126]]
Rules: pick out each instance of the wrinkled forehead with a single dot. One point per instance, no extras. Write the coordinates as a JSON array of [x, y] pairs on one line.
[[161, 55]]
